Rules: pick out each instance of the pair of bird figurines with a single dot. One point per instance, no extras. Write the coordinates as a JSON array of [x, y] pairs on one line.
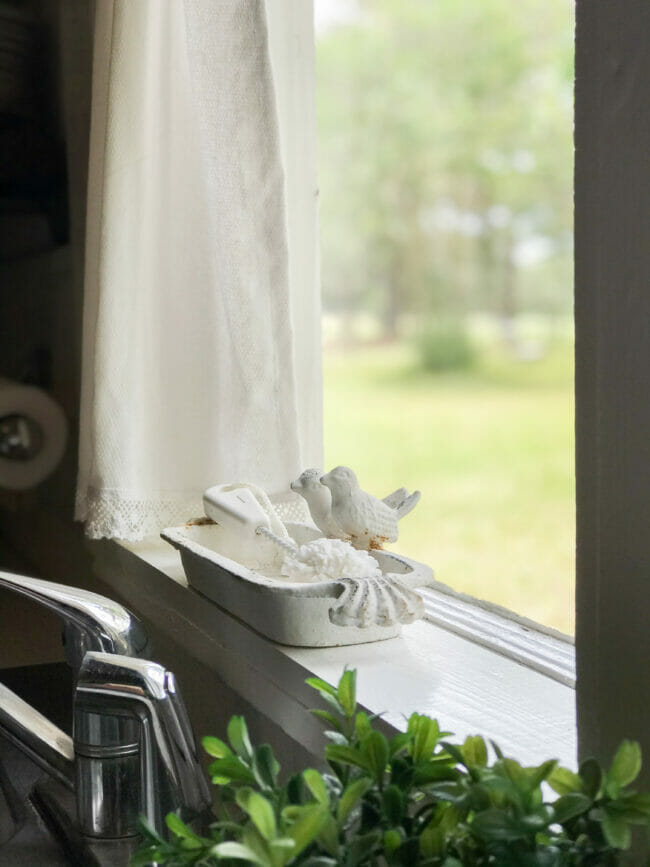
[[341, 510]]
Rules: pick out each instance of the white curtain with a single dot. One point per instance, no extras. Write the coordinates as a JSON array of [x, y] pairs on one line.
[[189, 362]]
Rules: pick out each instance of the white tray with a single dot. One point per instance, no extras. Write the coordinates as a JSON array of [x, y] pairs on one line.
[[322, 614]]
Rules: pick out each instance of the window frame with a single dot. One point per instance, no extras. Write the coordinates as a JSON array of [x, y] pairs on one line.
[[612, 313]]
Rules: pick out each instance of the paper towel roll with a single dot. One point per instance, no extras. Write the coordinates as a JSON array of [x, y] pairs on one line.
[[27, 408]]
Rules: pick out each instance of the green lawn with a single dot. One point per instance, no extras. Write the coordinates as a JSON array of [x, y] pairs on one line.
[[492, 452]]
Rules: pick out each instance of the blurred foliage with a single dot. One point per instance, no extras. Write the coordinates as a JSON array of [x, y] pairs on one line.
[[445, 344], [446, 157], [492, 450]]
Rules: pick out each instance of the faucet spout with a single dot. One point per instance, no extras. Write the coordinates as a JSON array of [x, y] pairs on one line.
[[130, 720], [92, 622]]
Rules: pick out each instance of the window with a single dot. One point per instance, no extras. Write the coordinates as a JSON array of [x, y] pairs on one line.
[[446, 213]]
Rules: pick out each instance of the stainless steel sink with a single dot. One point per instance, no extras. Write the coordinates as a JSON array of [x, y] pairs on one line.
[[30, 842]]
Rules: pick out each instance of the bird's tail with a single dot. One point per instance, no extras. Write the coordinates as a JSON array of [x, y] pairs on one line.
[[396, 498], [408, 503]]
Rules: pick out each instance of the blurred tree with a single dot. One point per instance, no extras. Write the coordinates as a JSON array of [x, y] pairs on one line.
[[446, 157]]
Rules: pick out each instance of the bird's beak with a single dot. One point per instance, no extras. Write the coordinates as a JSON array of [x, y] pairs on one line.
[[294, 486]]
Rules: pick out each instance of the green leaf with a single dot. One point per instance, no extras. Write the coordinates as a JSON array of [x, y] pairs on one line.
[[627, 810], [179, 828], [148, 831], [426, 733], [616, 831], [374, 748], [398, 742], [430, 772], [591, 775], [625, 767], [350, 797], [496, 825], [328, 718], [474, 752], [238, 737], [453, 792], [345, 755], [346, 692], [316, 786], [569, 806], [239, 852], [328, 838], [308, 826], [393, 804], [432, 842], [147, 857], [537, 775], [282, 849], [253, 840], [513, 771], [337, 738], [319, 861], [392, 841], [321, 685], [497, 749], [333, 702], [230, 769], [265, 767], [563, 781], [361, 847], [639, 802], [260, 811], [215, 747], [362, 724], [454, 752]]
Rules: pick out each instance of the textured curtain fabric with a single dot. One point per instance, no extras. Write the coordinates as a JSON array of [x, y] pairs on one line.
[[189, 372]]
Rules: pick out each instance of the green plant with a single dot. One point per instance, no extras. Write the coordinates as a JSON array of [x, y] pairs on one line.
[[410, 799], [446, 346]]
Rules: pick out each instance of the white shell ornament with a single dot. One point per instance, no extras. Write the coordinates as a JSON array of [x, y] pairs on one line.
[[379, 601]]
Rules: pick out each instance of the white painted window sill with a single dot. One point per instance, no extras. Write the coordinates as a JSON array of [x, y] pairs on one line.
[[440, 668]]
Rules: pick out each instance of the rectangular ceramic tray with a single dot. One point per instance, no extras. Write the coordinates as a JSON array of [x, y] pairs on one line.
[[305, 614]]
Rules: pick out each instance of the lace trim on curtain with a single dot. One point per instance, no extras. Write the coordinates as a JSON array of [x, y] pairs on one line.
[[109, 515]]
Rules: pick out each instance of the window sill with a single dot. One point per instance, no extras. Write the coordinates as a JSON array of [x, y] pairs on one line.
[[439, 668]]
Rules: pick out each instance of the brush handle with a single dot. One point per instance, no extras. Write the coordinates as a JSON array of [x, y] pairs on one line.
[[281, 543]]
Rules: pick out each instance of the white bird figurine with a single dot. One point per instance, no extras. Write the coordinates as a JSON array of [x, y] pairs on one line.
[[319, 500], [369, 522]]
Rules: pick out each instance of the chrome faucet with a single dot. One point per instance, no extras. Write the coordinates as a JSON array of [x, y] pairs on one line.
[[132, 750], [131, 731], [91, 621]]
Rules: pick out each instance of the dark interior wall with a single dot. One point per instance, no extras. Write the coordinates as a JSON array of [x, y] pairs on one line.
[[44, 125]]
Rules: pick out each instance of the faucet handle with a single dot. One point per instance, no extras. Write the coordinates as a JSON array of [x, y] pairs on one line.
[[134, 747], [91, 621]]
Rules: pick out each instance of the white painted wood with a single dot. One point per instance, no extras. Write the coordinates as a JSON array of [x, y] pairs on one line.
[[468, 688], [501, 631], [612, 304]]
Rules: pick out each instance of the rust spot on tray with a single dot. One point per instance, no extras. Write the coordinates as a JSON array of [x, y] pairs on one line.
[[199, 522]]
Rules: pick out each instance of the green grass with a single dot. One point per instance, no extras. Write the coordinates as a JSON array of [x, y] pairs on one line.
[[491, 450]]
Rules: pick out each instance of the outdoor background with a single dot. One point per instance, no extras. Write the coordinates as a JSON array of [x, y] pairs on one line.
[[445, 162]]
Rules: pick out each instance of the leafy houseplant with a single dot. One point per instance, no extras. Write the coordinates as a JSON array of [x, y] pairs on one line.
[[413, 799]]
